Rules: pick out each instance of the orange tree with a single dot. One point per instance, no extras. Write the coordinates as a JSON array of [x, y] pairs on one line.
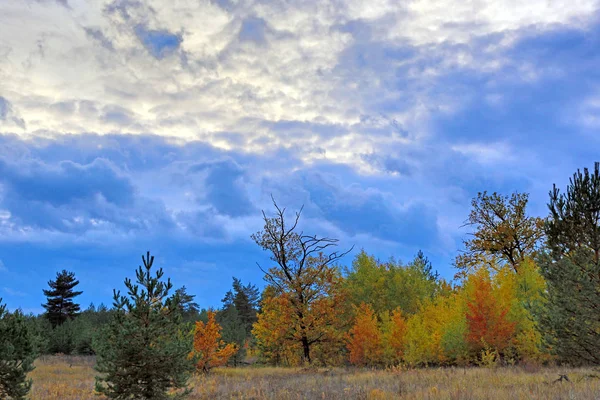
[[364, 340], [306, 279], [488, 323], [209, 351]]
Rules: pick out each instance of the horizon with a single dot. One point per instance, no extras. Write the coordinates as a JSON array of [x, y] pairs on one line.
[[166, 126]]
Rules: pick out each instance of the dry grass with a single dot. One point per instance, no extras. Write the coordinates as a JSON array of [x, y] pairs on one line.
[[72, 378]]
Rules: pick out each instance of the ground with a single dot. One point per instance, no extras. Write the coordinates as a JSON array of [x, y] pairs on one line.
[[70, 378]]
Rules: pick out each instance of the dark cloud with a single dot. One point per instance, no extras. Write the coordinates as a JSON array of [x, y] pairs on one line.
[[225, 186]]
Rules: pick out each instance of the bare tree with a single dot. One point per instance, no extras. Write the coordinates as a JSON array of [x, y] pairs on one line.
[[303, 271]]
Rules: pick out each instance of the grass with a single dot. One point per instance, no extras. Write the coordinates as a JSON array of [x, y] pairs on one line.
[[70, 378]]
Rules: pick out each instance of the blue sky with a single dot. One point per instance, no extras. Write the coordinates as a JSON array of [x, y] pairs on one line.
[[128, 126]]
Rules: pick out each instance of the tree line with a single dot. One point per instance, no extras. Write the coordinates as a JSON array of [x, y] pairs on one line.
[[527, 289]]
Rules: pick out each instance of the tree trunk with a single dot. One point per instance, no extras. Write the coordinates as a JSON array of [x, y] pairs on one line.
[[306, 348]]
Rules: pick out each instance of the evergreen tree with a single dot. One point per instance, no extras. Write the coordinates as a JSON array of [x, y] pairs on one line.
[[246, 300], [187, 306], [60, 306], [17, 354], [143, 352], [572, 268], [239, 313], [233, 331]]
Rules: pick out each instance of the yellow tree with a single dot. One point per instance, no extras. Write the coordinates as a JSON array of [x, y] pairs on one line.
[[304, 274], [364, 340], [209, 351]]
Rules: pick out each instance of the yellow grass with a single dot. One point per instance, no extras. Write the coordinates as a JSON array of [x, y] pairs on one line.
[[71, 378]]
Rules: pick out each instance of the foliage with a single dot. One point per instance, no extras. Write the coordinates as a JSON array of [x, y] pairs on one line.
[[209, 351], [504, 234], [393, 335], [364, 340], [488, 326], [187, 306], [284, 324], [387, 286], [60, 306], [17, 354], [572, 268], [238, 315], [304, 276], [143, 350]]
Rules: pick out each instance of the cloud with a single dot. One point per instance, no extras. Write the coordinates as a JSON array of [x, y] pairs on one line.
[[12, 292], [127, 124], [3, 267]]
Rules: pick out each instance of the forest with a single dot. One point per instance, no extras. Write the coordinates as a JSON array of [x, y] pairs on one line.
[[526, 294]]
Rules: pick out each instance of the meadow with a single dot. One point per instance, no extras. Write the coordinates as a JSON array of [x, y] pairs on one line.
[[72, 377]]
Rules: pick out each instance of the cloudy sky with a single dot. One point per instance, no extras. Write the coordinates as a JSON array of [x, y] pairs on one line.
[[165, 125]]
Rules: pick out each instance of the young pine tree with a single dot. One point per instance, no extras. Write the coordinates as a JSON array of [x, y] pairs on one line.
[[17, 354], [143, 352], [60, 305]]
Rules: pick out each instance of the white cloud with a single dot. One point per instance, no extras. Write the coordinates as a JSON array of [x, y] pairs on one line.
[[3, 267], [83, 69]]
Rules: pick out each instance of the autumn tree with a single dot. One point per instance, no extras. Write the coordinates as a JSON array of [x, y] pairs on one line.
[[17, 354], [504, 234], [572, 268], [393, 336], [143, 351], [303, 274], [60, 306], [364, 340], [209, 350], [488, 325]]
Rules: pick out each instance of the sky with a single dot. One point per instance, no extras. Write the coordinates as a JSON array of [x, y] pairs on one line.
[[167, 125]]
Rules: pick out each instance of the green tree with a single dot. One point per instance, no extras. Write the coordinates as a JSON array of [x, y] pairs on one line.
[[238, 315], [572, 268], [188, 307], [233, 331], [387, 286], [17, 354], [504, 234], [60, 305], [143, 352]]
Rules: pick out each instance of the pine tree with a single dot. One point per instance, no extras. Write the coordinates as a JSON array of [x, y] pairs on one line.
[[572, 268], [17, 354], [246, 300], [188, 307], [60, 306], [143, 352], [238, 315]]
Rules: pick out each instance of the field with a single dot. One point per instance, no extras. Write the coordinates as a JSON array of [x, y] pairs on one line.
[[71, 378]]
